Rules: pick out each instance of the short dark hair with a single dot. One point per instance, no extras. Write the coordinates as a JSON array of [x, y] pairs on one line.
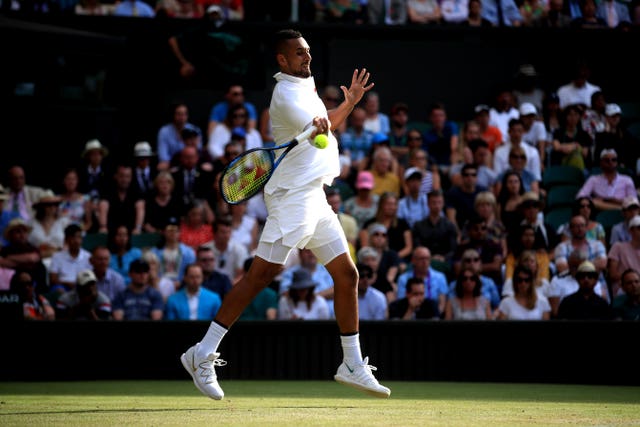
[[434, 193], [468, 166], [413, 281], [476, 144], [283, 36], [189, 133], [627, 271], [364, 270], [514, 122], [71, 230]]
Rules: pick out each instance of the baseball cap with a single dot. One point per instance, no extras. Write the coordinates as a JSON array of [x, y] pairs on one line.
[[142, 149], [379, 137], [85, 277], [586, 267], [630, 201], [214, 8], [635, 221], [412, 173], [608, 151], [481, 107], [364, 180], [376, 227], [527, 108], [527, 70], [612, 110], [239, 132]]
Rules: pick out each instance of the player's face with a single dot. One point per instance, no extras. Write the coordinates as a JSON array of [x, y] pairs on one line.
[[296, 59]]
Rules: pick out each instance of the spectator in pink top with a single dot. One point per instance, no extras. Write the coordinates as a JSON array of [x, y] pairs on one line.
[[609, 188]]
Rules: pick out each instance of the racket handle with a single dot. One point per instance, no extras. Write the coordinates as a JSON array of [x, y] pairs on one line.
[[306, 134]]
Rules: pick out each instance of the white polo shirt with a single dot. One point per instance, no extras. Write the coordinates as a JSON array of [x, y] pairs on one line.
[[294, 104]]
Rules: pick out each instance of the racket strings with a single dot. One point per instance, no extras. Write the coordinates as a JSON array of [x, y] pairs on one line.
[[247, 175]]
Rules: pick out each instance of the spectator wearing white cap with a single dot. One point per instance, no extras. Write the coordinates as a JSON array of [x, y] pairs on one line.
[[609, 188], [94, 172], [624, 255], [616, 136], [419, 159], [85, 301], [620, 231], [143, 173], [535, 133], [585, 303]]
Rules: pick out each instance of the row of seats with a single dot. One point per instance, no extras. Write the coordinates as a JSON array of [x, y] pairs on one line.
[[143, 240]]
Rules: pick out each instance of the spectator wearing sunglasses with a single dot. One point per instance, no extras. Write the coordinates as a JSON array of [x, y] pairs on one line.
[[609, 188], [517, 163], [471, 261], [490, 251], [524, 304], [501, 159], [467, 302], [585, 303]]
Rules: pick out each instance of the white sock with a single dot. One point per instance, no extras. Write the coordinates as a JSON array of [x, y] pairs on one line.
[[351, 347], [211, 340]]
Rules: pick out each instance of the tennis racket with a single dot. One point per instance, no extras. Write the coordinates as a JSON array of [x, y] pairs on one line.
[[249, 172]]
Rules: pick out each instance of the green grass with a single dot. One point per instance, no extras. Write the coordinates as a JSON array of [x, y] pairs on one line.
[[315, 403]]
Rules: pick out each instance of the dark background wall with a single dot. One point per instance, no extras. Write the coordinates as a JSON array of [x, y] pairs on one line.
[[537, 352], [74, 78]]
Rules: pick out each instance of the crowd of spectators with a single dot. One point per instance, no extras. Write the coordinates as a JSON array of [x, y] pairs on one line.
[[585, 14], [445, 219]]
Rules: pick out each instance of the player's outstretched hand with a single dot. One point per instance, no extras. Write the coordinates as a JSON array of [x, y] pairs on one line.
[[358, 87]]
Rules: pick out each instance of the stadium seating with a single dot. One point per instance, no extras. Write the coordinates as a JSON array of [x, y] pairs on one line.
[[91, 240], [145, 240], [558, 216], [608, 219], [561, 196], [562, 175], [634, 129]]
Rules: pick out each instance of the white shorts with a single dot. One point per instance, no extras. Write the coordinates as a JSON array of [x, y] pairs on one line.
[[301, 218]]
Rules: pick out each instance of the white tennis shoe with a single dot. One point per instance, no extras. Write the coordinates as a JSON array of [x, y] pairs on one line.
[[203, 371], [359, 376]]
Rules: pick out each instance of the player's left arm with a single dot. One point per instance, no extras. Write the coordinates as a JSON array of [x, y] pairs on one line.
[[352, 96]]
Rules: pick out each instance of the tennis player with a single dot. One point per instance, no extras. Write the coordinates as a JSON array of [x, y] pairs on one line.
[[298, 217]]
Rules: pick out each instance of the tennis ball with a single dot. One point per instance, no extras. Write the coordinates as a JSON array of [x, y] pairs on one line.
[[321, 141]]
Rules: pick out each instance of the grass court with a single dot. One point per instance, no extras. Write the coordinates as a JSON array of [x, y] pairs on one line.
[[315, 403]]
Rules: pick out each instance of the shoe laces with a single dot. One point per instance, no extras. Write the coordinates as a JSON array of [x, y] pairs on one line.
[[208, 364], [366, 374]]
